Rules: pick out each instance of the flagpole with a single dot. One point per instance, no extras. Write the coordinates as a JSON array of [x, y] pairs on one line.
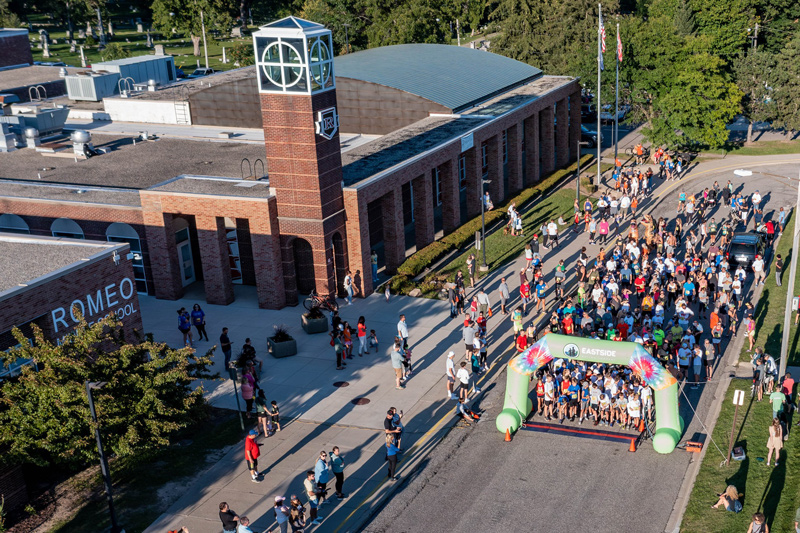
[[616, 104], [599, 57]]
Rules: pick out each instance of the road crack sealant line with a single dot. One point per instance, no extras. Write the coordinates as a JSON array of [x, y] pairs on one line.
[[412, 460]]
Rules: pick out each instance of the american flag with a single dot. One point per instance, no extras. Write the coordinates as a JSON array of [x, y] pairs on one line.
[[619, 46], [602, 42]]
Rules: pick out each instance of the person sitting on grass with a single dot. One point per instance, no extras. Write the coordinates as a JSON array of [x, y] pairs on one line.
[[730, 499]]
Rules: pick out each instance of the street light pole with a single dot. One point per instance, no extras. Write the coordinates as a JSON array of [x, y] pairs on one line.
[[484, 266], [578, 169], [787, 319], [91, 385], [203, 27]]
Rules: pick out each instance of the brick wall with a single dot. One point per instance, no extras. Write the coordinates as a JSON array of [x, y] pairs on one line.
[[110, 287]]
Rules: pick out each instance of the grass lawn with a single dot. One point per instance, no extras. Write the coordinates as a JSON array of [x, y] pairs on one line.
[[767, 489], [503, 248], [760, 148], [135, 42], [138, 481], [772, 305]]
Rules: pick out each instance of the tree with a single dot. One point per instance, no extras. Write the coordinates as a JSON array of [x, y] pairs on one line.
[[754, 73], [115, 51], [334, 14], [185, 15], [44, 415], [726, 22], [242, 54], [787, 87], [409, 21], [8, 18]]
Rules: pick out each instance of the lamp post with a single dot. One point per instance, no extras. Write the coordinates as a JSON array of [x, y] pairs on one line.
[[484, 266], [90, 386], [578, 168]]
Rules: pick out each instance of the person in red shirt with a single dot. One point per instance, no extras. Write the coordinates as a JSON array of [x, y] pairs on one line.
[[770, 232], [525, 295], [522, 342], [251, 453], [639, 282], [362, 336], [567, 324], [787, 386], [622, 329]]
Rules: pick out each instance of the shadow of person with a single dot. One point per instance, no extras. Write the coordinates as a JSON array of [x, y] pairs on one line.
[[772, 492]]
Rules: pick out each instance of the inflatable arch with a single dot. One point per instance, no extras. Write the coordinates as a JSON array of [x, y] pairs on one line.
[[517, 407]]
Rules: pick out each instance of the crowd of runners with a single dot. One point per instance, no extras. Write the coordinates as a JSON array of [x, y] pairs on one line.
[[667, 283]]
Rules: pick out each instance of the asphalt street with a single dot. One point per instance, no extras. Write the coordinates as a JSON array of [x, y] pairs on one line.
[[558, 483]]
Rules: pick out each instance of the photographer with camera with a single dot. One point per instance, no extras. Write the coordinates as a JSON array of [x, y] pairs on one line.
[[313, 499]]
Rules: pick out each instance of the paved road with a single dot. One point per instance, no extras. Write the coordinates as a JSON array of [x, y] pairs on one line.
[[474, 480]]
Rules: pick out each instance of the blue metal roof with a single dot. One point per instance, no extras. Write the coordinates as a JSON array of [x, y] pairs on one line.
[[453, 76]]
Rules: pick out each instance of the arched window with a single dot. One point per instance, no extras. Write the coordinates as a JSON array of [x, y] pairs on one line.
[[121, 232], [66, 227], [13, 224]]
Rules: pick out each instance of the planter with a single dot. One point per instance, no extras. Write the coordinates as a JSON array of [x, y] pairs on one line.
[[314, 325], [281, 349]]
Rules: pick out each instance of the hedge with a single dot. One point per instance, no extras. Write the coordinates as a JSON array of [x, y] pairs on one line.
[[423, 258]]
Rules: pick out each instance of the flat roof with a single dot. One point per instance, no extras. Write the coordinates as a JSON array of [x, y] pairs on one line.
[[129, 166], [70, 193], [215, 186], [453, 76], [33, 75], [26, 258]]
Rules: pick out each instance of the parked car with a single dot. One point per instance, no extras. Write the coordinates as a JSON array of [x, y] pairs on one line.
[[589, 136], [608, 112], [200, 72], [588, 113], [745, 246]]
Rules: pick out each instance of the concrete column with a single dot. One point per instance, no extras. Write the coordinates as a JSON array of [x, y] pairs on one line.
[[358, 248], [494, 149], [164, 261], [214, 256], [547, 137], [514, 164], [574, 124], [562, 133], [394, 238], [451, 198], [422, 190], [474, 167], [532, 169]]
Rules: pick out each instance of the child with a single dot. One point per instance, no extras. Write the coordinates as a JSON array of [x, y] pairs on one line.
[[373, 340], [275, 416], [484, 367], [407, 363]]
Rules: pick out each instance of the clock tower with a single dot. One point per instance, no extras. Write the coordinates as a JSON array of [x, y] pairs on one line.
[[297, 88]]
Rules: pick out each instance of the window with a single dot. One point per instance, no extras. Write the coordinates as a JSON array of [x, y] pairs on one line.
[[462, 172], [436, 187], [121, 232], [234, 258], [66, 227], [485, 159], [181, 230], [505, 146], [13, 224]]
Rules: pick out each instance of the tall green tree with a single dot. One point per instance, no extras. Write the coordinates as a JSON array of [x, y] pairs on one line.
[[787, 87], [408, 21], [346, 19], [755, 73], [726, 22], [8, 18], [150, 393], [184, 16]]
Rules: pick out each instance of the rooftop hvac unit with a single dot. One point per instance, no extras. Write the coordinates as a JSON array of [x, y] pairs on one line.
[[92, 86]]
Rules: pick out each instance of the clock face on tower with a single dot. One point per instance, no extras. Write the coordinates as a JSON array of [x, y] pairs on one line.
[[301, 64]]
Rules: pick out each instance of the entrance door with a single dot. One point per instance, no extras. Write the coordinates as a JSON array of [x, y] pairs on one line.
[[187, 262]]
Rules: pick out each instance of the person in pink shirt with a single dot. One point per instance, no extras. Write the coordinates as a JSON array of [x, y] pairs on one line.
[[602, 229]]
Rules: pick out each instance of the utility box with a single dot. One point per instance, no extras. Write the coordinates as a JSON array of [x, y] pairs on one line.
[[92, 85], [142, 69]]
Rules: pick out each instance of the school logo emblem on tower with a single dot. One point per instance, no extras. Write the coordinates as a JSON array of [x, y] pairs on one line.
[[327, 123], [571, 350]]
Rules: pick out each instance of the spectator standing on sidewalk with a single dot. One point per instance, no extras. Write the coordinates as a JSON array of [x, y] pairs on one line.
[[391, 456], [362, 336], [297, 516], [251, 453], [402, 331], [225, 345], [281, 513], [337, 467], [348, 287], [504, 295], [313, 500], [483, 302], [228, 518], [322, 475], [758, 270], [450, 374], [397, 365]]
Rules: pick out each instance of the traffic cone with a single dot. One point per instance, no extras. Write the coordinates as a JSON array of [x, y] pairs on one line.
[[632, 447], [641, 425], [508, 435]]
